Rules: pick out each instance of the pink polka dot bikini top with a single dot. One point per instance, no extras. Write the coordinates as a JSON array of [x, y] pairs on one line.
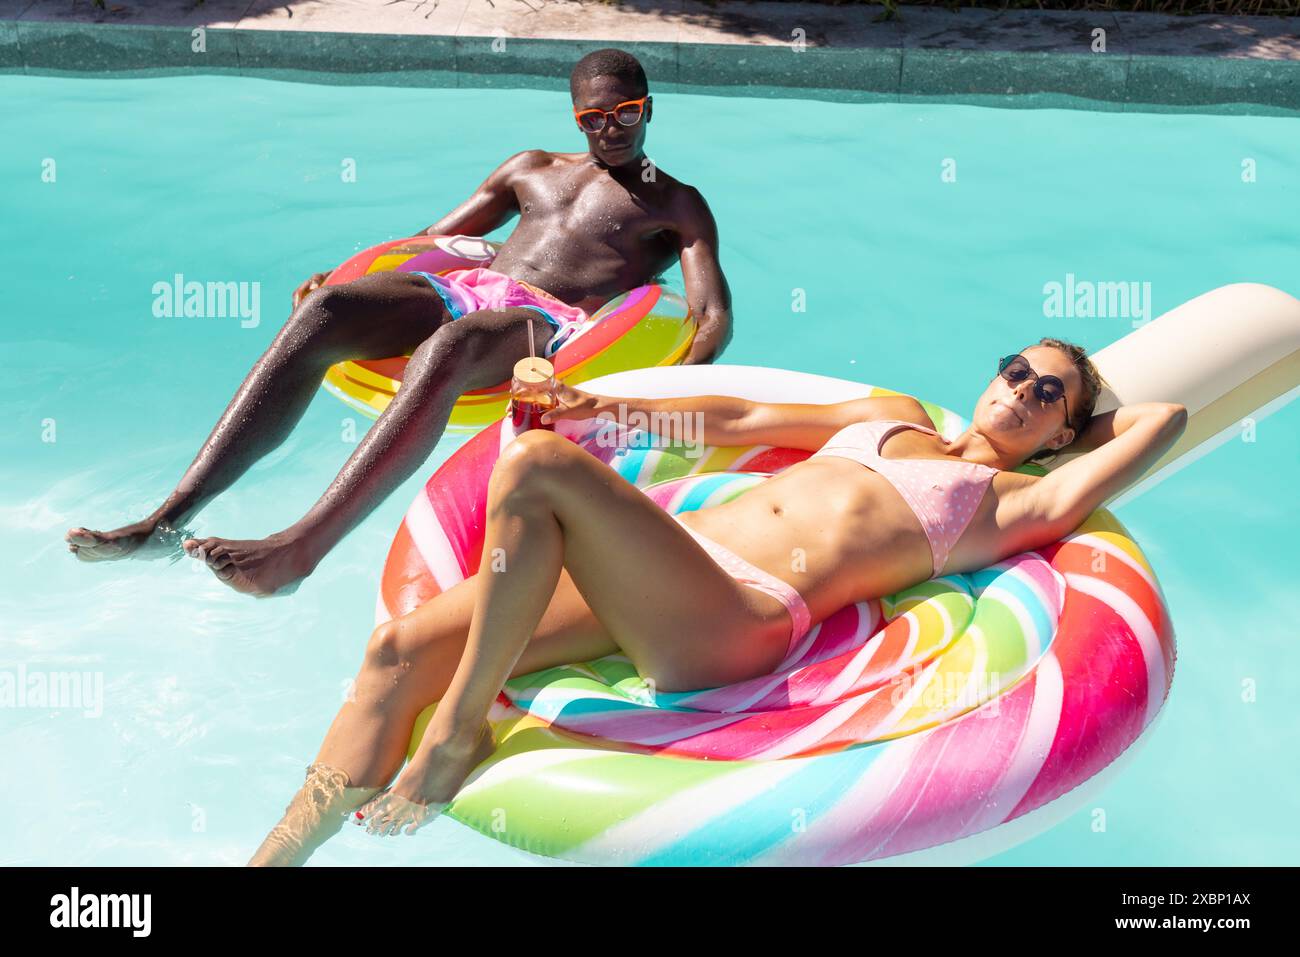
[[943, 493]]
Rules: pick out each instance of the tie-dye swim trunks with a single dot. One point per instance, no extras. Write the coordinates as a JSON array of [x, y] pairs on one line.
[[468, 290]]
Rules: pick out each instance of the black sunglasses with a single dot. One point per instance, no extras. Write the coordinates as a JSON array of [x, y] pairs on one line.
[[1048, 388]]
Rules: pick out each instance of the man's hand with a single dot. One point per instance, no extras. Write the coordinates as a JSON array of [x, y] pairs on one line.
[[706, 286], [315, 282], [712, 333]]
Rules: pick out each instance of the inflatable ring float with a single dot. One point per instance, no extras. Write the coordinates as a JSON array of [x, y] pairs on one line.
[[647, 326], [946, 710], [942, 724]]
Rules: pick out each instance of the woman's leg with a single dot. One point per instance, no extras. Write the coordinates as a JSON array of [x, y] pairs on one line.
[[680, 618], [408, 664]]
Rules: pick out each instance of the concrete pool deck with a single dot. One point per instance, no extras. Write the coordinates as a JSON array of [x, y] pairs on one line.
[[1095, 60]]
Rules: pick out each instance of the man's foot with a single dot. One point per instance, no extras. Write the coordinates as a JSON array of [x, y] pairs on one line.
[[425, 788], [150, 538], [263, 567]]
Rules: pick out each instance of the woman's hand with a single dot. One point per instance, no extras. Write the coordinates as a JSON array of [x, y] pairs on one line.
[[574, 404], [313, 283]]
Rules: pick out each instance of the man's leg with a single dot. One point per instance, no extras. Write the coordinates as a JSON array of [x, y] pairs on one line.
[[475, 351], [385, 314]]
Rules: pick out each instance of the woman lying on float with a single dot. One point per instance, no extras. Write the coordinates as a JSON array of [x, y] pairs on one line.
[[884, 503]]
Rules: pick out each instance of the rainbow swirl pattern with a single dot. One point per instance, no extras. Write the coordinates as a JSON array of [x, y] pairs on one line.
[[949, 709]]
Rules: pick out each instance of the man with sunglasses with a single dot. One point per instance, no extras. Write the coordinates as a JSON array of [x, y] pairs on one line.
[[591, 225]]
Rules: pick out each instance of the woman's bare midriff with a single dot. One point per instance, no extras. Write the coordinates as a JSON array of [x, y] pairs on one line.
[[837, 532]]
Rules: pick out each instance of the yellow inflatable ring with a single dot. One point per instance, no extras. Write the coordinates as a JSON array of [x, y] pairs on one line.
[[646, 326]]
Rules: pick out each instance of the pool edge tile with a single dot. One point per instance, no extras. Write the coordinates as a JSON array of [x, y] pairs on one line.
[[1186, 83], [854, 70], [490, 61], [347, 58], [11, 54], [947, 72], [49, 46]]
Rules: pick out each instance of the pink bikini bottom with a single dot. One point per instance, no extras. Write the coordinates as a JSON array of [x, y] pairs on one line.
[[754, 577]]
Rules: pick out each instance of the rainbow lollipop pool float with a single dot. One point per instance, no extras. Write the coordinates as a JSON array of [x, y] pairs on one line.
[[647, 326], [942, 723], [937, 713]]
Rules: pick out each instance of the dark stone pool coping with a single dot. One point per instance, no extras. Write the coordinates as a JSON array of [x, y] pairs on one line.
[[1151, 63]]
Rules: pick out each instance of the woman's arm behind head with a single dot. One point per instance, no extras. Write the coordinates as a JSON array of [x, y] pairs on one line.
[[1118, 449]]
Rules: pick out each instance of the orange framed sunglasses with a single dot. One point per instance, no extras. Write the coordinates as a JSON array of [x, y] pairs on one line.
[[628, 113]]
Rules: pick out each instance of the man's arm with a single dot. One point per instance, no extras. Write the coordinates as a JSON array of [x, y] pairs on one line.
[[493, 204], [706, 287]]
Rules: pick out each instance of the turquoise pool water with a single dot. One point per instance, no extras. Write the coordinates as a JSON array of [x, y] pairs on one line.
[[213, 703]]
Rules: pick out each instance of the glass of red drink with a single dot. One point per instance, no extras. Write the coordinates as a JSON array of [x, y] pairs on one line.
[[532, 392]]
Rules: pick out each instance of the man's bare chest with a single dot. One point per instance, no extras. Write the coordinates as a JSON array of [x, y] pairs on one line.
[[598, 208]]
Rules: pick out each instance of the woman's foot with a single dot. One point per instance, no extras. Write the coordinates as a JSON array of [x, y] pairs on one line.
[[149, 538], [315, 814], [427, 785], [263, 567]]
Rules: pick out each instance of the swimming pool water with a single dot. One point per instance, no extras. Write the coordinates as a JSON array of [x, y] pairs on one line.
[[214, 703]]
